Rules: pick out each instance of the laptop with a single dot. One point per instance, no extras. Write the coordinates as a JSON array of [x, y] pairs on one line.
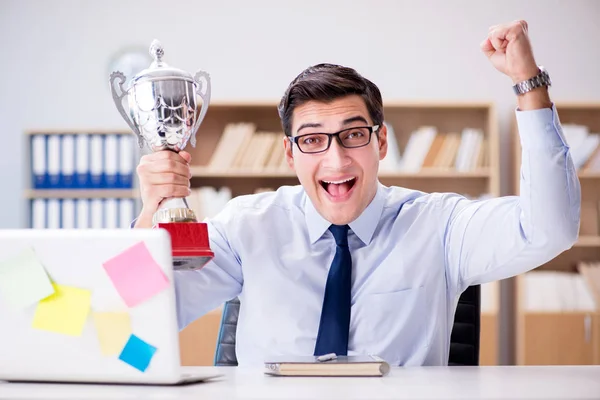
[[89, 306]]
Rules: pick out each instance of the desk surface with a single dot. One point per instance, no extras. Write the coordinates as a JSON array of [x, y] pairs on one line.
[[506, 382]]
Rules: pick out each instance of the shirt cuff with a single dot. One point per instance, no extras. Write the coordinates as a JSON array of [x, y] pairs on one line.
[[540, 128]]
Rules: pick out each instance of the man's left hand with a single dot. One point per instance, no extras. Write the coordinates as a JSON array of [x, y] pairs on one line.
[[508, 48]]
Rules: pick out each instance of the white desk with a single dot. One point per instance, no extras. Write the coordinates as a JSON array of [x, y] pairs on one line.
[[572, 382]]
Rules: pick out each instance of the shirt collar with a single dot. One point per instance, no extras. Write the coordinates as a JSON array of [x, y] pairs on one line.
[[364, 226]]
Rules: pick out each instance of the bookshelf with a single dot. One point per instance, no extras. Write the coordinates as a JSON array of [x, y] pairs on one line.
[[555, 323], [80, 178], [249, 175]]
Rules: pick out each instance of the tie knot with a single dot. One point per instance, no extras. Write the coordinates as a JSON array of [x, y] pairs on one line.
[[340, 233]]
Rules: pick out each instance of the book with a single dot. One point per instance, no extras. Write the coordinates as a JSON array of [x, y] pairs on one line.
[[359, 365]]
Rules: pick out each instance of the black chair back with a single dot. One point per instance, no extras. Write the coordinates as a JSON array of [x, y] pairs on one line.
[[464, 340]]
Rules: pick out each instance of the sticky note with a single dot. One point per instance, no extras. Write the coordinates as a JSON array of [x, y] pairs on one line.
[[63, 312], [137, 353], [136, 275], [23, 280], [113, 330]]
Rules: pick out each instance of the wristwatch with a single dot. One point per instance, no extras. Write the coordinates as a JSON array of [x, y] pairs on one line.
[[541, 79]]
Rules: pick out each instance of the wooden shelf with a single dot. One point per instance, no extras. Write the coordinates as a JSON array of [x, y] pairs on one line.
[[82, 131], [203, 172], [555, 337], [81, 193]]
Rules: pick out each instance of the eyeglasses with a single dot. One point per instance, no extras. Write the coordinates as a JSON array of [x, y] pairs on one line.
[[350, 138]]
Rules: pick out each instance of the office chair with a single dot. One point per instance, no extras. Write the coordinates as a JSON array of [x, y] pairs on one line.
[[464, 339]]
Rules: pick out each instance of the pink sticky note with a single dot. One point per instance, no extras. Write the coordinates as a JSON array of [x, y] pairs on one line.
[[136, 275]]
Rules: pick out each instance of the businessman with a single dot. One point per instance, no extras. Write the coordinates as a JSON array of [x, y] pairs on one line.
[[344, 264]]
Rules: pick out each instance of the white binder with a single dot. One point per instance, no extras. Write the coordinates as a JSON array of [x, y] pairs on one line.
[[97, 160], [111, 160], [39, 161], [53, 210], [54, 161], [126, 161], [97, 214], [126, 212], [82, 163], [111, 213], [68, 214], [67, 161], [83, 214], [38, 214]]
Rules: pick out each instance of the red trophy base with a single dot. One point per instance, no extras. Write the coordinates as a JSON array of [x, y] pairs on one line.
[[189, 240]]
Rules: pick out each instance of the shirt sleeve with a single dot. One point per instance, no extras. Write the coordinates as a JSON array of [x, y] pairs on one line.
[[498, 238], [200, 291]]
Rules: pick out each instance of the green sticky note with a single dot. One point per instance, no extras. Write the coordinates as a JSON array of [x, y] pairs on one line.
[[23, 279], [63, 312]]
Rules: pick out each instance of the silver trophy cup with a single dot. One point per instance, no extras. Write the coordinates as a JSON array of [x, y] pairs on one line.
[[163, 113]]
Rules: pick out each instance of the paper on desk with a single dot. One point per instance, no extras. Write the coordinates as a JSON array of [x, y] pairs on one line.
[[136, 275], [63, 312], [137, 353], [23, 279], [113, 330]]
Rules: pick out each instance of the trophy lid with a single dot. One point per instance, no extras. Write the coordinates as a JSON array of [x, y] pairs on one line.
[[160, 70]]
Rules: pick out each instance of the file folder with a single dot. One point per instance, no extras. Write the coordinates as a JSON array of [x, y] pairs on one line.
[[68, 214], [53, 211], [67, 161], [54, 161], [96, 161], [97, 213], [126, 161], [39, 161], [82, 164], [38, 214], [111, 213], [111, 160], [83, 214], [126, 212]]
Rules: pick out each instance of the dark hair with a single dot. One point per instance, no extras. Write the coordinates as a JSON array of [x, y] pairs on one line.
[[327, 82]]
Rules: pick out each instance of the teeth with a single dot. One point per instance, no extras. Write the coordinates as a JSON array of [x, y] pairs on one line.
[[338, 182]]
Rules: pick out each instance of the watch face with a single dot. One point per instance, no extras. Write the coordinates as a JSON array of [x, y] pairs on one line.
[[130, 62]]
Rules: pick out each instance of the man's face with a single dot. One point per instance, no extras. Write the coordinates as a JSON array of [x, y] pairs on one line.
[[340, 182]]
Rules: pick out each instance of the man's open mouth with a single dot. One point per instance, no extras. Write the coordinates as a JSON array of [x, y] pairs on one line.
[[338, 188]]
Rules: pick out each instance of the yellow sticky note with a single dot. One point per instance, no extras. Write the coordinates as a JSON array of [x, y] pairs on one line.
[[113, 329], [63, 312]]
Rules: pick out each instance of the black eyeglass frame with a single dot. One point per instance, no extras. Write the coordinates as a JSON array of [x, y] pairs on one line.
[[330, 136]]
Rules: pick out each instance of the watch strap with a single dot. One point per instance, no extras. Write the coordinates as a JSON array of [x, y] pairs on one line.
[[541, 79]]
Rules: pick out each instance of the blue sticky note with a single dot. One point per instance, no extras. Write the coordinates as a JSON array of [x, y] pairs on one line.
[[137, 353]]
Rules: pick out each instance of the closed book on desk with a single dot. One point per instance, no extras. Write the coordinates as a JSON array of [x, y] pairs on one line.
[[341, 366]]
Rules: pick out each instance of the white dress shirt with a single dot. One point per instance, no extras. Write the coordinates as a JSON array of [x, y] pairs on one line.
[[413, 254]]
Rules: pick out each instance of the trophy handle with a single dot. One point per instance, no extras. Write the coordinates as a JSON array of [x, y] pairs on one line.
[[205, 100], [118, 99]]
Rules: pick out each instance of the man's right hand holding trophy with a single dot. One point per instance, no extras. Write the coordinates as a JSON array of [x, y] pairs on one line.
[[162, 175]]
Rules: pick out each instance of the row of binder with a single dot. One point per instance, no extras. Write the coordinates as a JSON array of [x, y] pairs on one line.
[[82, 160], [96, 213]]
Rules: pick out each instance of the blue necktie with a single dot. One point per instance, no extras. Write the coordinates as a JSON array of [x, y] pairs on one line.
[[335, 315]]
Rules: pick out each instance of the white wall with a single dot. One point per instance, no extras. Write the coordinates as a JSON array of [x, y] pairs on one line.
[[55, 53]]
